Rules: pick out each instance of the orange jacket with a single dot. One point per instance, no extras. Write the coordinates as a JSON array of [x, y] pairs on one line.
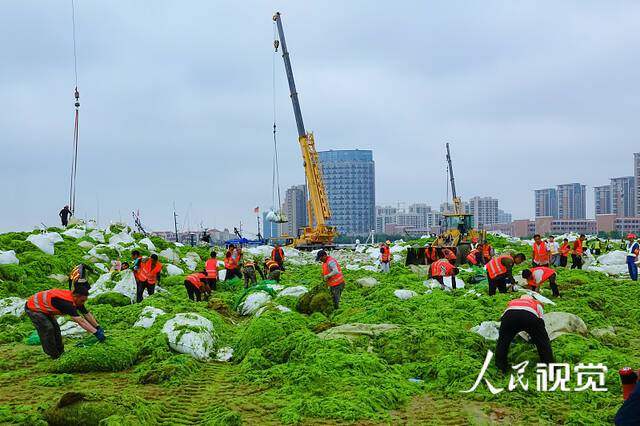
[[529, 305], [386, 254], [578, 249], [471, 257], [540, 253], [495, 267], [151, 273], [196, 279], [279, 251], [211, 265], [565, 248], [336, 279], [441, 268], [41, 301]]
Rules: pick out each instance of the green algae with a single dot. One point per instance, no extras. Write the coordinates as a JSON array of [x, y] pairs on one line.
[[115, 354]]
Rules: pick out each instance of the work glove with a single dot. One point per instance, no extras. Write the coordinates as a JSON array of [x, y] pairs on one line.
[[100, 335]]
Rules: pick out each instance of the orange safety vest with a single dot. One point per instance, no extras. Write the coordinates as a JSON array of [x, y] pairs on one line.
[[196, 279], [431, 254], [546, 274], [386, 254], [449, 254], [152, 274], [529, 305], [249, 264], [230, 262], [140, 274], [77, 273], [495, 267], [273, 254], [211, 265], [271, 265], [41, 301], [471, 257], [336, 279], [577, 247], [486, 252], [441, 268], [565, 249], [540, 253]]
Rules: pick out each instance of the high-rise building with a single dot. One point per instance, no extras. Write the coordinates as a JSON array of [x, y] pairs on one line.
[[269, 229], [504, 217], [636, 172], [623, 196], [385, 215], [546, 201], [349, 178], [572, 203], [295, 208], [484, 211], [602, 196]]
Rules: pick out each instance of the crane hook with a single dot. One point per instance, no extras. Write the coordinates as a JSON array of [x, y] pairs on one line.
[[276, 44], [77, 96]]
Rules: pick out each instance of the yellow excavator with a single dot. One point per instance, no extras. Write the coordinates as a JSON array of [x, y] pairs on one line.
[[317, 234], [457, 233]]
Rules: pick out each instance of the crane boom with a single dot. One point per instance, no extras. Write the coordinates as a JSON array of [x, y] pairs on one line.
[[317, 233], [457, 202]]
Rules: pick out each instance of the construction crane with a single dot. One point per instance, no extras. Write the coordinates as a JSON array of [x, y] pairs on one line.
[[317, 234]]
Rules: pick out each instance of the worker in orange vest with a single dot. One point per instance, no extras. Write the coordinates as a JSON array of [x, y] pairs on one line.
[[450, 255], [443, 268], [332, 274], [152, 269], [43, 307], [385, 257], [136, 267], [578, 252], [475, 256], [211, 271], [271, 270], [231, 264], [540, 252], [487, 252], [430, 254], [536, 276], [523, 314], [277, 255], [500, 272], [565, 249], [196, 287], [249, 272]]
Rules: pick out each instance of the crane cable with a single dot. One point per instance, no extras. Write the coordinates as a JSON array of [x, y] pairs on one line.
[[276, 167], [74, 161]]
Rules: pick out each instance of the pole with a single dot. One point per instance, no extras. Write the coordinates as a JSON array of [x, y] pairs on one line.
[[175, 221]]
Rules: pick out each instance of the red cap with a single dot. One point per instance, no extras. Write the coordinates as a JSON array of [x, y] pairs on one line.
[[631, 237]]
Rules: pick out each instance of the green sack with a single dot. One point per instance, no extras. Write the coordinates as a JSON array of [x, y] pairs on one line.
[[33, 339]]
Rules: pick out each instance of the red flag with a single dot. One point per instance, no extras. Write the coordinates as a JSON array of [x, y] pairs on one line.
[[256, 210]]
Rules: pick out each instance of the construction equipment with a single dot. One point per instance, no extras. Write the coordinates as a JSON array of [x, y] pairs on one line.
[[457, 233], [317, 234]]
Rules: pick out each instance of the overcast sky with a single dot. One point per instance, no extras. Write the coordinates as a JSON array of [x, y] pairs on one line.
[[177, 101]]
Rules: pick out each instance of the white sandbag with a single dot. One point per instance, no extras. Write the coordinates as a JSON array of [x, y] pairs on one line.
[[448, 285], [224, 354], [45, 242], [222, 275], [8, 258], [191, 264], [488, 329], [367, 282], [193, 255], [126, 285], [405, 294], [253, 302], [397, 248], [282, 308], [609, 269], [122, 238], [351, 267], [190, 334], [148, 317], [290, 252], [94, 253], [102, 267], [86, 245], [259, 251], [279, 308], [96, 236], [12, 306], [74, 233], [69, 328], [616, 257], [173, 270], [370, 268], [296, 291], [170, 255], [397, 258], [147, 242]]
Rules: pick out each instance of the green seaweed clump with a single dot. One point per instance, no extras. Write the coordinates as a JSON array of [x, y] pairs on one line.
[[318, 299], [53, 380], [222, 416], [111, 298], [115, 354]]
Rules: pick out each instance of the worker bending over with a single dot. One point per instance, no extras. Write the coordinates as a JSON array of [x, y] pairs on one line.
[[523, 314], [565, 249], [633, 251], [500, 271], [211, 269], [475, 256], [151, 269], [332, 274], [232, 263], [277, 255], [578, 252], [196, 286], [79, 275], [450, 255], [487, 252], [442, 268], [44, 306], [385, 257], [536, 276], [272, 270], [540, 253], [430, 254], [249, 273]]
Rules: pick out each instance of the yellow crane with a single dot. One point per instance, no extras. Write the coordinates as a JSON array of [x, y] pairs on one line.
[[317, 233]]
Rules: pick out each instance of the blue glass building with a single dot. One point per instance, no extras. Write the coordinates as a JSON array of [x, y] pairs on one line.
[[349, 177]]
